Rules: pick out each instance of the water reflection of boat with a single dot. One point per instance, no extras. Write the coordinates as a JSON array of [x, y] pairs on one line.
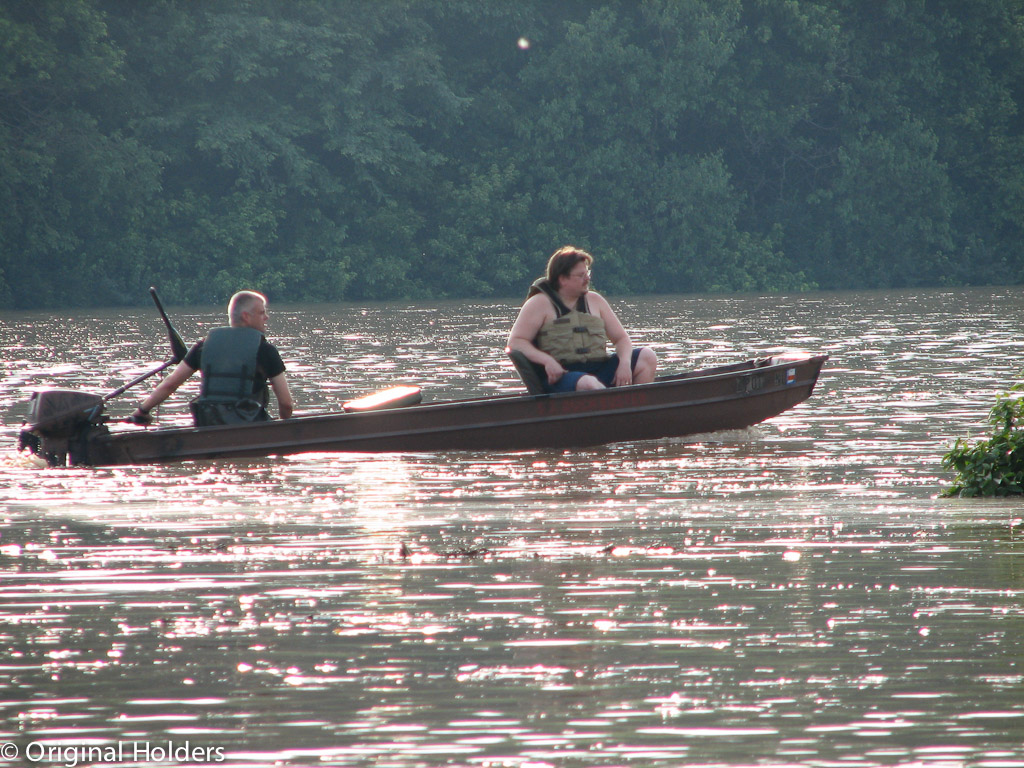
[[68, 427]]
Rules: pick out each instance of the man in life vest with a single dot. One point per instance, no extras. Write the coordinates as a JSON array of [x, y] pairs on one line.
[[237, 363], [565, 327]]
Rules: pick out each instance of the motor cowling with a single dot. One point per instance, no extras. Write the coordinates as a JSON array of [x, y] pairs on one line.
[[62, 412], [59, 424]]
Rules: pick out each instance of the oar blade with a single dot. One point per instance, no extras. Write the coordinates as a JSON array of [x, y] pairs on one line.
[[178, 347]]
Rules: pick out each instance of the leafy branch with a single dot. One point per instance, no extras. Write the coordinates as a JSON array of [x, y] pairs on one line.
[[992, 467]]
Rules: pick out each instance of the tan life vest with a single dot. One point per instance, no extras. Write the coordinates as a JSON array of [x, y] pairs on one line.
[[575, 335]]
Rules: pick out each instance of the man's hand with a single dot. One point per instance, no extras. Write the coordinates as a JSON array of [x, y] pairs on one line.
[[623, 375], [554, 370], [141, 417]]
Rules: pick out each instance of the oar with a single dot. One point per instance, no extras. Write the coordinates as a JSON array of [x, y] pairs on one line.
[[178, 348], [178, 351]]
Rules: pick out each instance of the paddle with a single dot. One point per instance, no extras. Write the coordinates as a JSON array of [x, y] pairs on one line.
[[178, 348], [178, 351]]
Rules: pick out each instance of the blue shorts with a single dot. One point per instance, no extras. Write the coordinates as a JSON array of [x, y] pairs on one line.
[[604, 371]]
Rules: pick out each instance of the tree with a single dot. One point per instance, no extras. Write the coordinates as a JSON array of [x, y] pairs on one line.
[[416, 148], [72, 184]]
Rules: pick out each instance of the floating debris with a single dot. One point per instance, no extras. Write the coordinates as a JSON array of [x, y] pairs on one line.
[[468, 552]]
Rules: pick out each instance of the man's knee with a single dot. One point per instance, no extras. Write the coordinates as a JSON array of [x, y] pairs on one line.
[[588, 382], [646, 366]]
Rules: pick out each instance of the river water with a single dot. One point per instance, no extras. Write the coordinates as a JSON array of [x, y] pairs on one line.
[[794, 594]]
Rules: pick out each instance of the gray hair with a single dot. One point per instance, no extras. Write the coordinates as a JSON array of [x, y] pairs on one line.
[[243, 301]]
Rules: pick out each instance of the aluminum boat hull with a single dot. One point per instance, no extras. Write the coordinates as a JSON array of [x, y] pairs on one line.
[[728, 397]]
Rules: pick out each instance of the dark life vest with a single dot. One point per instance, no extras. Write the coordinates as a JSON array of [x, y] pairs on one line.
[[232, 391]]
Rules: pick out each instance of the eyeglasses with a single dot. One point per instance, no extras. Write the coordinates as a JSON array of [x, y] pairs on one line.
[[585, 274]]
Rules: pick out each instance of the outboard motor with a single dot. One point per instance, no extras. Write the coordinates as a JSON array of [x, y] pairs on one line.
[[58, 422]]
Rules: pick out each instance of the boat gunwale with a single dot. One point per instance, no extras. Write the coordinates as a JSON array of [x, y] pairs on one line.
[[661, 383]]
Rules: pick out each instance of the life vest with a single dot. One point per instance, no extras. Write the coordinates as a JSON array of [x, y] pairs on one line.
[[231, 391], [575, 335]]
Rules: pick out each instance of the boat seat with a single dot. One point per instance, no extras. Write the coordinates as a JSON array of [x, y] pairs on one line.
[[531, 373]]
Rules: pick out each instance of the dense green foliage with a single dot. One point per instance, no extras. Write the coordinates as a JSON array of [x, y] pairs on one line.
[[992, 467], [355, 149]]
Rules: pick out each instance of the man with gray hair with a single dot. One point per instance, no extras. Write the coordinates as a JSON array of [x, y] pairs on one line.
[[237, 364]]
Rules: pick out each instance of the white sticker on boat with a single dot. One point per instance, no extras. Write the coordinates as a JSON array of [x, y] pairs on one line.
[[790, 375]]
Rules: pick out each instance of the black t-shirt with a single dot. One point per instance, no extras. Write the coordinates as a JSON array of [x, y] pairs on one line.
[[268, 361]]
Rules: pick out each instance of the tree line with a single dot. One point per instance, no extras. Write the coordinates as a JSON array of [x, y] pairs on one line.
[[324, 150]]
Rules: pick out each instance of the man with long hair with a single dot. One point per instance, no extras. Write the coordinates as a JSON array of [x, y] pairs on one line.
[[566, 328]]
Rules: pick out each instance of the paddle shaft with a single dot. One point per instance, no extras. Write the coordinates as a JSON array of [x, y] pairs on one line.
[[124, 388]]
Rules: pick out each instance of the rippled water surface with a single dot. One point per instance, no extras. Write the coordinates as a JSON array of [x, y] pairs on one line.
[[795, 594]]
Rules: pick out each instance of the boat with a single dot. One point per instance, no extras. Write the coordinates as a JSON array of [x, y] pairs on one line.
[[68, 427]]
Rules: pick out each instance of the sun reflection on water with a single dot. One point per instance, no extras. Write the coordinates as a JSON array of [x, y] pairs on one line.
[[791, 594]]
